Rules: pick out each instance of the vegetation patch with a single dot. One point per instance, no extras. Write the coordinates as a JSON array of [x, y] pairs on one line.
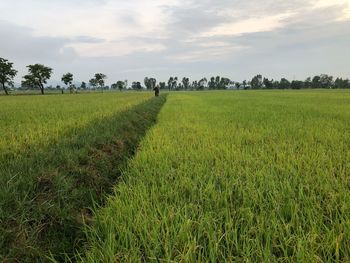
[[49, 186], [240, 177]]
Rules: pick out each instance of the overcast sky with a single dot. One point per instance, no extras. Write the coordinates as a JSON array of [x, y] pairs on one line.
[[195, 38]]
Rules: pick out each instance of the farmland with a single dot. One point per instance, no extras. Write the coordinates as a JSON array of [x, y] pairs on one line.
[[59, 155], [256, 176], [240, 176]]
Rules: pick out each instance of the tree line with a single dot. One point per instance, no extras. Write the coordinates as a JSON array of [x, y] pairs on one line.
[[39, 74]]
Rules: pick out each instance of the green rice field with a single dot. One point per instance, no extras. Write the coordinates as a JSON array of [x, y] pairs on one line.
[[222, 176], [240, 176], [57, 161]]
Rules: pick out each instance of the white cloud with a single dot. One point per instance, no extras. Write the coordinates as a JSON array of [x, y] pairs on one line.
[[343, 4], [107, 20], [191, 36], [328, 3], [250, 25], [115, 49], [207, 53]]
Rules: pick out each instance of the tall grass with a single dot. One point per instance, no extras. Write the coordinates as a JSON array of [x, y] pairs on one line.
[[241, 176], [58, 155]]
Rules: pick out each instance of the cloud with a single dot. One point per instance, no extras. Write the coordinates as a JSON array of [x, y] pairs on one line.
[[116, 48], [135, 38], [250, 25], [88, 39], [20, 43]]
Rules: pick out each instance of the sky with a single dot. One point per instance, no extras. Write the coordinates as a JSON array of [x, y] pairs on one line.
[[194, 38]]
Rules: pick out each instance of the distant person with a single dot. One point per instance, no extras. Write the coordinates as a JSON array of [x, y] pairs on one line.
[[156, 91]]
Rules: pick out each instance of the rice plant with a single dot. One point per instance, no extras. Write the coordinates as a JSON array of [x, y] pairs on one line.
[[260, 176]]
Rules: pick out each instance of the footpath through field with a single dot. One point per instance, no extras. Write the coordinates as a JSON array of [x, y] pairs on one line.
[[235, 176]]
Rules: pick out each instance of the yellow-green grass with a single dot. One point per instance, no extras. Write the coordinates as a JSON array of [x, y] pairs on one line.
[[59, 155], [235, 176], [43, 119]]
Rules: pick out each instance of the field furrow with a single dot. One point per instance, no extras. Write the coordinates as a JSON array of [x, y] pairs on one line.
[[59, 156]]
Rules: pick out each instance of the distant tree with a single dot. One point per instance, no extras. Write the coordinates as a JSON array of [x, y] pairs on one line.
[[114, 86], [186, 83], [326, 81], [7, 73], [223, 83], [120, 85], [93, 83], [217, 82], [238, 85], [340, 83], [276, 84], [308, 83], [174, 84], [195, 85], [202, 84], [83, 85], [100, 80], [150, 83], [136, 86], [297, 84], [316, 82], [257, 82], [212, 83], [153, 82], [73, 89], [146, 82], [170, 83], [268, 83], [284, 84], [37, 77], [67, 79], [244, 84], [179, 87], [162, 85]]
